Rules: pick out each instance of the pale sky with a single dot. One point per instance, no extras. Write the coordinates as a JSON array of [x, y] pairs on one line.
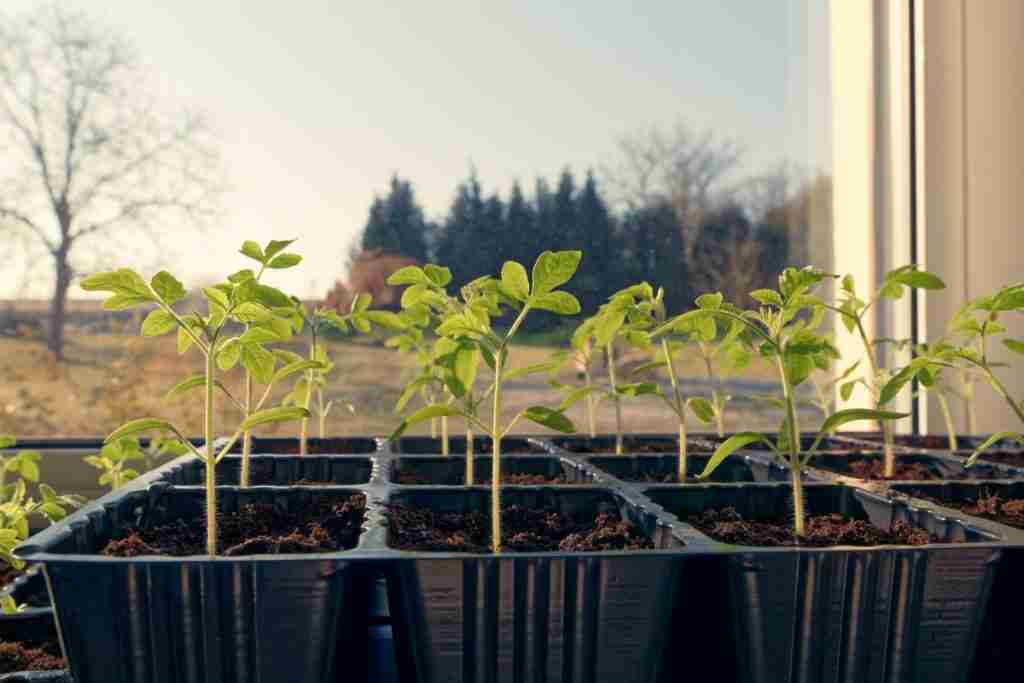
[[317, 102]]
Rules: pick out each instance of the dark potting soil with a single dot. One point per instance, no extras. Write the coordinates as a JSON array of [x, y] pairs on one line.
[[21, 657], [37, 598], [1009, 511], [524, 448], [523, 530], [628, 446], [728, 526], [257, 529], [904, 471], [524, 479]]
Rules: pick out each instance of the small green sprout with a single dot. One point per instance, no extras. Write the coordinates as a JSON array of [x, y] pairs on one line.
[[114, 459], [852, 311], [239, 300], [16, 506], [784, 330], [467, 324]]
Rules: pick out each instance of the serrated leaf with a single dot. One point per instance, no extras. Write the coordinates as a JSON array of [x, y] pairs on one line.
[[562, 303], [552, 419], [439, 275], [258, 361], [229, 354], [553, 269], [275, 247], [260, 335], [252, 312], [409, 275], [273, 415], [515, 280], [217, 297], [158, 322], [168, 287], [730, 446]]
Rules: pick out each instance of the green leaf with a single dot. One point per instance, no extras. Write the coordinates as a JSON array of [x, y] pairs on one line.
[[259, 335], [515, 280], [29, 470], [229, 354], [638, 389], [184, 386], [918, 279], [139, 426], [767, 296], [271, 297], [552, 419], [730, 446], [990, 441], [842, 417], [275, 247], [846, 390], [533, 369], [272, 415], [409, 275], [710, 302], [700, 407], [7, 441], [124, 281], [253, 251], [296, 366], [553, 269], [158, 322], [258, 361], [386, 319], [217, 297], [607, 326], [167, 287], [439, 275], [424, 414], [798, 368], [1014, 345], [283, 261], [184, 340], [252, 312], [465, 366], [893, 387], [891, 290], [644, 367], [574, 395], [562, 303], [360, 302]]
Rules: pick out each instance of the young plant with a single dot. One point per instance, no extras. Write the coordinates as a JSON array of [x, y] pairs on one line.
[[783, 330], [979, 320], [723, 356], [237, 300], [272, 256], [627, 317], [16, 506], [852, 311], [317, 321], [467, 323], [644, 310], [115, 458]]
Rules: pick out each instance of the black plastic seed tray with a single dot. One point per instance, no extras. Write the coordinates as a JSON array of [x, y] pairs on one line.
[[660, 469], [937, 465], [34, 623], [879, 613], [510, 445], [427, 470], [277, 470], [633, 444]]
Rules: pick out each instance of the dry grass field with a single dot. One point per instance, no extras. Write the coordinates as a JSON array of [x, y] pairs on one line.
[[108, 379]]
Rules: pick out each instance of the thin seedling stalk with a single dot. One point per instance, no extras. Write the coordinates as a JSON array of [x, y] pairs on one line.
[[304, 428], [247, 436], [609, 351], [680, 410], [496, 457], [715, 394], [948, 417], [591, 412], [794, 451], [968, 401], [469, 456], [321, 412], [889, 462], [211, 458]]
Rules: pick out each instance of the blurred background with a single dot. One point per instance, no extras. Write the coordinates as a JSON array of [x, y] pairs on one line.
[[688, 144]]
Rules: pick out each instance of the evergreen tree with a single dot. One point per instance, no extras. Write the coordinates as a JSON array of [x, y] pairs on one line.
[[652, 250], [567, 234], [458, 247], [592, 231], [395, 224], [524, 238]]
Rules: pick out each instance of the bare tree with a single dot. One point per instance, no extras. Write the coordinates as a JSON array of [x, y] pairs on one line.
[[688, 172], [86, 156]]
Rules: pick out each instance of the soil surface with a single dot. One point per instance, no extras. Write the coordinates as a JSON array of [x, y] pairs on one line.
[[523, 530], [628, 446], [728, 526], [1009, 511], [409, 478], [20, 657], [519, 448], [904, 471], [257, 529]]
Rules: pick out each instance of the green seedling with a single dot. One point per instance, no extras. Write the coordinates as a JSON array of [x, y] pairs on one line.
[[852, 311], [784, 330], [723, 356], [239, 300], [979, 322], [360, 318], [17, 507], [467, 323], [625, 319], [115, 460]]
